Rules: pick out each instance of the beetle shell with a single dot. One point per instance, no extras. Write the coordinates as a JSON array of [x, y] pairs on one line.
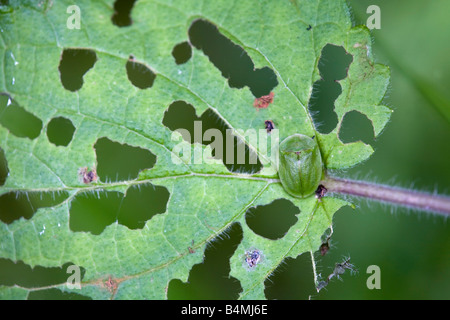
[[300, 167]]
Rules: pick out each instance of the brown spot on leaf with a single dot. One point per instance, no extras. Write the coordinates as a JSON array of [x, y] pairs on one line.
[[190, 248], [264, 101], [111, 284]]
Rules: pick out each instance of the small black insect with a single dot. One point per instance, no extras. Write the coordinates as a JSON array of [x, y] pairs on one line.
[[309, 27], [269, 125], [324, 247], [321, 191]]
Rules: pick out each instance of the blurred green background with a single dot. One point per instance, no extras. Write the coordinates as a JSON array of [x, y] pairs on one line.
[[411, 248]]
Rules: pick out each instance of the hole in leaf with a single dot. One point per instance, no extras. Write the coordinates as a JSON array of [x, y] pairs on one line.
[[334, 62], [122, 10], [141, 203], [17, 120], [139, 75], [119, 162], [291, 280], [74, 65], [181, 115], [333, 66], [356, 126], [21, 274], [273, 220], [60, 131], [4, 171], [14, 206], [182, 52], [93, 214], [321, 105], [234, 63], [210, 280]]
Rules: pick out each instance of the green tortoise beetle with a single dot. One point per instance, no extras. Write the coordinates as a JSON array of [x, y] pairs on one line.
[[300, 165]]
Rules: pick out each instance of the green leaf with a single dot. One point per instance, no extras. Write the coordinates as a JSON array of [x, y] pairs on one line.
[[205, 199]]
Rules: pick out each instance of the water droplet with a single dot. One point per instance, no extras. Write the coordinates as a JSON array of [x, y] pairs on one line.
[[14, 59]]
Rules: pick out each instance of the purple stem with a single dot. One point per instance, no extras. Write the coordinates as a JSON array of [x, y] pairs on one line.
[[402, 197]]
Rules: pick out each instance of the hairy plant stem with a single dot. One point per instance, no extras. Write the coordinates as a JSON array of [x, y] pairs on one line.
[[403, 197]]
